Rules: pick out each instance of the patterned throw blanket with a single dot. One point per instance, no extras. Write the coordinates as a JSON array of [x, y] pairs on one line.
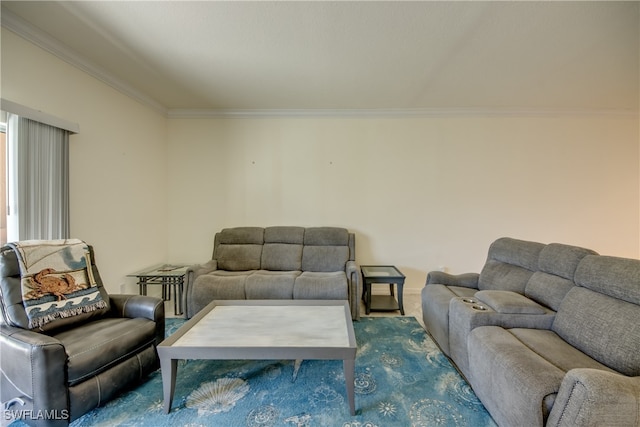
[[57, 280]]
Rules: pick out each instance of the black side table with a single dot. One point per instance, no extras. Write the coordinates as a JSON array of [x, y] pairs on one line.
[[382, 274]]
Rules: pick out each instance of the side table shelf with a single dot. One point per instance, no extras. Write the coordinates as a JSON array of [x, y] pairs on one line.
[[382, 274]]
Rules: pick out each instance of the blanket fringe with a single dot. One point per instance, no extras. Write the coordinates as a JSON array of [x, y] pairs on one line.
[[40, 321]]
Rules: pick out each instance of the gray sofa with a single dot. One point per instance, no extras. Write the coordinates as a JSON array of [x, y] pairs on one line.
[[544, 334], [283, 262]]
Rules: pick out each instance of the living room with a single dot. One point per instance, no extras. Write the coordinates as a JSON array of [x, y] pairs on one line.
[[423, 188], [517, 120]]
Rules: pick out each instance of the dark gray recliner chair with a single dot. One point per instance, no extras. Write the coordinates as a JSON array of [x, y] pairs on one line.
[[54, 374]]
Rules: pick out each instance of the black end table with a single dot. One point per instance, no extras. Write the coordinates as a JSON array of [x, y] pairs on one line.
[[382, 274]]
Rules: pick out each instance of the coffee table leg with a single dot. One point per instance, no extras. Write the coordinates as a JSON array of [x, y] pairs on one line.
[[168, 368], [349, 377]]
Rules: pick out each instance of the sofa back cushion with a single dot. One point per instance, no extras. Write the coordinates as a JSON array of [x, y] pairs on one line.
[[282, 248], [239, 249], [557, 265], [510, 264], [598, 316], [325, 249]]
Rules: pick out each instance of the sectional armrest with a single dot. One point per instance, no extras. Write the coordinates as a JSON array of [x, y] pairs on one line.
[[595, 397], [196, 270], [466, 280], [499, 308], [34, 365], [354, 279], [191, 275]]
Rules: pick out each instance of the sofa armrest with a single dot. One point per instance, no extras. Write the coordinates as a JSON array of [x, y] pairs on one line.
[[466, 280], [196, 270], [133, 306], [508, 302], [33, 369], [191, 275], [595, 397], [354, 279]]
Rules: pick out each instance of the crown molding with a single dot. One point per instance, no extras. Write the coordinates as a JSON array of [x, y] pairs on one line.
[[19, 26], [397, 112]]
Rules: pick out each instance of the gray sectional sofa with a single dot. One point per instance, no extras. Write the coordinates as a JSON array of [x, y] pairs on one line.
[[284, 262], [545, 334]]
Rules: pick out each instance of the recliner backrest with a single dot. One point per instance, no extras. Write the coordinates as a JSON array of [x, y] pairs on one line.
[[510, 264], [12, 306], [600, 315], [282, 249], [325, 249], [239, 248], [557, 265]]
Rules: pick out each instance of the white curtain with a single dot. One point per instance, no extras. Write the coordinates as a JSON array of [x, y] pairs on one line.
[[37, 180]]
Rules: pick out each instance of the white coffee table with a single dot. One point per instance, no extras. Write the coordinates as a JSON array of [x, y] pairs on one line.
[[263, 330]]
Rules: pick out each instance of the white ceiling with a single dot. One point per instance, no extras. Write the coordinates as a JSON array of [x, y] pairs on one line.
[[181, 56]]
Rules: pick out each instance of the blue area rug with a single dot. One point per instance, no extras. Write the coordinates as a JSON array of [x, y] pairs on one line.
[[402, 379]]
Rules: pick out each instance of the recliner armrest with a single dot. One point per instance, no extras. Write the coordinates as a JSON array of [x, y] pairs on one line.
[[596, 397], [34, 365], [466, 280], [133, 306]]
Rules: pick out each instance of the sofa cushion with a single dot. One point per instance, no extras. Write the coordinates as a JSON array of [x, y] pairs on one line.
[[235, 257], [507, 302], [97, 346], [316, 285], [326, 236], [284, 234], [510, 264], [556, 267], [281, 257], [325, 258], [548, 289], [556, 350], [613, 276], [218, 284], [516, 385], [241, 235], [601, 327], [265, 284]]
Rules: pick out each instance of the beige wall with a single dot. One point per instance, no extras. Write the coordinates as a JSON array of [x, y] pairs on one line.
[[420, 193], [117, 160]]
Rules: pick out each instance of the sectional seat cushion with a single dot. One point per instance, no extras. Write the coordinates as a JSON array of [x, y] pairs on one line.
[[321, 285], [517, 373], [266, 284], [220, 284]]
